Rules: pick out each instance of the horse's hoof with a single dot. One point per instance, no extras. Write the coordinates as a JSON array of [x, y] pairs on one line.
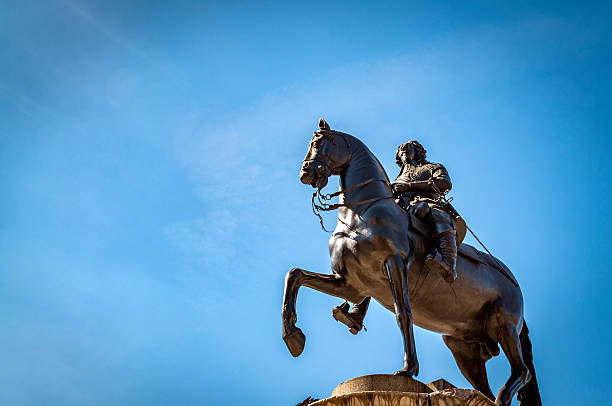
[[408, 371], [404, 372], [295, 342], [502, 399]]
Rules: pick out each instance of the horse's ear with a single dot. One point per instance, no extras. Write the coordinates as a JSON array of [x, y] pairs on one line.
[[323, 125]]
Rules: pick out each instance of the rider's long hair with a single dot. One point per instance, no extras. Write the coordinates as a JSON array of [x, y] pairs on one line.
[[420, 154]]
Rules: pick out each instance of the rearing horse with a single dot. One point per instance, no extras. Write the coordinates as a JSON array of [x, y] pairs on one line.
[[375, 253]]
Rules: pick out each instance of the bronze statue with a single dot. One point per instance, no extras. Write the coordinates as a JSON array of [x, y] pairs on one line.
[[378, 249]]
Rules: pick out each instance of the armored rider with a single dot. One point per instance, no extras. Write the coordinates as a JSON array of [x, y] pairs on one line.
[[419, 187]]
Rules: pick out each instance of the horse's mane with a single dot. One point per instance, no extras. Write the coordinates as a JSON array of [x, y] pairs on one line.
[[357, 142]]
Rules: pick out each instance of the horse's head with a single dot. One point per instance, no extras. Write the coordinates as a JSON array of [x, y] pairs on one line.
[[328, 154]]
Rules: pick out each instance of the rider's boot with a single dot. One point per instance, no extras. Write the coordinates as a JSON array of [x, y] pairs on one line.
[[353, 319], [446, 256]]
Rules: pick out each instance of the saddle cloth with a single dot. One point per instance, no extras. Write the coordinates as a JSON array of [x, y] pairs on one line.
[[475, 255]]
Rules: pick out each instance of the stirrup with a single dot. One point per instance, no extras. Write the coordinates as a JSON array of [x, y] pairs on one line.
[[436, 261], [341, 314]]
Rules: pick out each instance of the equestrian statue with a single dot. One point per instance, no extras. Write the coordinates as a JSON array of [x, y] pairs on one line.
[[401, 244]]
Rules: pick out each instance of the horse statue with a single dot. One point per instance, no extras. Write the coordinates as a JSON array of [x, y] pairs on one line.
[[376, 251]]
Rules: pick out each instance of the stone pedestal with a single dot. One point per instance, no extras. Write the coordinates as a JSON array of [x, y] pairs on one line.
[[391, 390]]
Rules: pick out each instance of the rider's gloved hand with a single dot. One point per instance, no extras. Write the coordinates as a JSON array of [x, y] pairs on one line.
[[398, 188]]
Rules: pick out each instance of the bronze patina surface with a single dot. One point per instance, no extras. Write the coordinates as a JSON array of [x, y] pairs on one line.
[[375, 252]]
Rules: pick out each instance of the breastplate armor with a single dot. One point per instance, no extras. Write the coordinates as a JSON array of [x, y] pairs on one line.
[[425, 172]]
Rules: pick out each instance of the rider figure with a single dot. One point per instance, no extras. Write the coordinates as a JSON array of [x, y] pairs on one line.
[[420, 186]]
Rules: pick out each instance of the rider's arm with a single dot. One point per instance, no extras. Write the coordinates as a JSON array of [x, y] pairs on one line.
[[440, 179]]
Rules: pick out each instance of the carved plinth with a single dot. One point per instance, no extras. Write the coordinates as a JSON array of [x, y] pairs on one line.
[[392, 390]]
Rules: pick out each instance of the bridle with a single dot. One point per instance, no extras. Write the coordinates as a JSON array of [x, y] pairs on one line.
[[329, 135], [323, 199]]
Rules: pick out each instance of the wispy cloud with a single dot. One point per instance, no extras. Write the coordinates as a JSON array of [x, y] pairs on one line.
[[114, 35], [95, 21], [240, 157]]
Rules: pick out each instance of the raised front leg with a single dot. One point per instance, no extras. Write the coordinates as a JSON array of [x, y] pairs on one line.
[[332, 284], [398, 279]]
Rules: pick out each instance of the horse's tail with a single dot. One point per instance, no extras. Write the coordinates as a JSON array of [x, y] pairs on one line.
[[528, 395]]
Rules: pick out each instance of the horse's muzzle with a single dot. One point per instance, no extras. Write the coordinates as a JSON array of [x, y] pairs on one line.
[[312, 173]]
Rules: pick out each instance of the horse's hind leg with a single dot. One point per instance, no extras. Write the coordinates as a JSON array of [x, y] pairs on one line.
[[332, 284], [398, 279], [470, 363], [511, 345]]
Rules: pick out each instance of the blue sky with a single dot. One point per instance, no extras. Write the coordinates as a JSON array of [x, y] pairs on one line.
[[150, 156]]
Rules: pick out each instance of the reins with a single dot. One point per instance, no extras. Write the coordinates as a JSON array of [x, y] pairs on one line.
[[323, 204]]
